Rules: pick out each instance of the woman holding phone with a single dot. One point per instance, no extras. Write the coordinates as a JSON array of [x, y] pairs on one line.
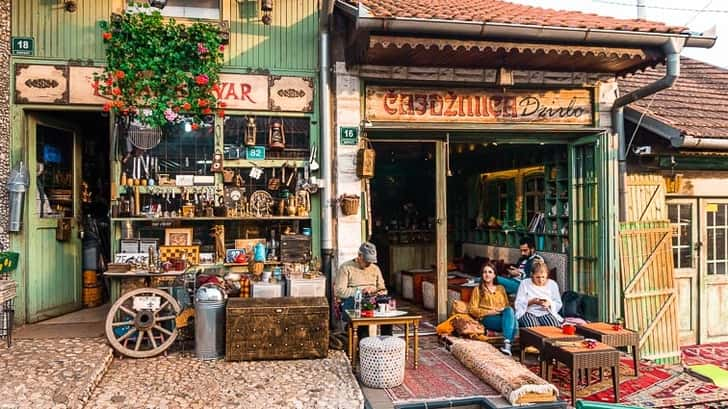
[[489, 305], [538, 300]]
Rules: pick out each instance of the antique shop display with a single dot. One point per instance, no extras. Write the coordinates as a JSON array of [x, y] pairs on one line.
[[276, 328]]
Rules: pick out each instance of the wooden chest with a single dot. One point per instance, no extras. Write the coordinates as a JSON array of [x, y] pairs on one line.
[[295, 248], [276, 328]]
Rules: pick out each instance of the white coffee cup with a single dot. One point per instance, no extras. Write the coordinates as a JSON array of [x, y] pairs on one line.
[[267, 275]]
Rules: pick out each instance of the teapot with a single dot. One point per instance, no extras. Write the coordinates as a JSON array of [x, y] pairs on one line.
[[259, 252]]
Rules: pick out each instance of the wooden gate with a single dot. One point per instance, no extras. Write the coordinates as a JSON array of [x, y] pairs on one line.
[[647, 271]]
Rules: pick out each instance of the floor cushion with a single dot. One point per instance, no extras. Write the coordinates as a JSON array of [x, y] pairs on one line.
[[511, 379]]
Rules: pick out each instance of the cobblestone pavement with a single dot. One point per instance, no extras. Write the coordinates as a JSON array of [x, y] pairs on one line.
[[181, 381], [51, 373]]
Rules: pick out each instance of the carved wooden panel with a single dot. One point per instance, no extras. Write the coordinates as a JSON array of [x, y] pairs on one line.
[[41, 84]]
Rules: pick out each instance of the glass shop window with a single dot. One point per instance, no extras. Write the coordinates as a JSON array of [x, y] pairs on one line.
[[282, 138], [534, 193], [204, 9], [54, 172]]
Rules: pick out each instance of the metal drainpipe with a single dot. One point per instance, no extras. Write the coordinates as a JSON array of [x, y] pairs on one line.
[[672, 48], [326, 160]]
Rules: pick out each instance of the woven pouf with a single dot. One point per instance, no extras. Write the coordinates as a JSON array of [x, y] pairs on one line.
[[381, 361]]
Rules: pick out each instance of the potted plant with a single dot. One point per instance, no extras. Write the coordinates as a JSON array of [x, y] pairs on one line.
[[367, 307]]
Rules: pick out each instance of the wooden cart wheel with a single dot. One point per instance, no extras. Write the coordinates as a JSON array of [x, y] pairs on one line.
[[140, 332]]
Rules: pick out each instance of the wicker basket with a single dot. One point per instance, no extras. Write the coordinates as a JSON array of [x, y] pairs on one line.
[[349, 204]]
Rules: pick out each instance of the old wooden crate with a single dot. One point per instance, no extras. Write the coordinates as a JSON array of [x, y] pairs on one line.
[[276, 328], [295, 248]]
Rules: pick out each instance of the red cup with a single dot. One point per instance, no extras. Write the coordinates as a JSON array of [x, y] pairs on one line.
[[616, 327], [568, 329]]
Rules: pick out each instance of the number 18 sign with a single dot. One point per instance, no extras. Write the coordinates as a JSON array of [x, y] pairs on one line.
[[22, 46]]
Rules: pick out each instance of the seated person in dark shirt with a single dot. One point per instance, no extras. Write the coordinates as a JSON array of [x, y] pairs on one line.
[[523, 267]]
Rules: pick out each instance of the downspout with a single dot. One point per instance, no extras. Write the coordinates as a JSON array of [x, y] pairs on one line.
[[672, 50], [326, 159]]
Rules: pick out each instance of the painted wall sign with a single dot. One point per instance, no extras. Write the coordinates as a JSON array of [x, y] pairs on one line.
[[22, 46], [41, 84], [479, 106], [249, 92], [291, 94], [238, 91], [81, 90]]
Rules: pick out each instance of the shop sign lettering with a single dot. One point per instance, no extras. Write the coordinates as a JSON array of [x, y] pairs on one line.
[[248, 92], [558, 107]]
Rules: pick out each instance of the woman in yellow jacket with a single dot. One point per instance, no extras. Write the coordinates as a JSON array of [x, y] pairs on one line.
[[489, 304]]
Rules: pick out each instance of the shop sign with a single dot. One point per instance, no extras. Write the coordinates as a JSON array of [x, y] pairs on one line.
[[81, 90], [349, 135], [292, 94], [41, 84], [255, 152], [249, 92], [22, 46], [479, 106]]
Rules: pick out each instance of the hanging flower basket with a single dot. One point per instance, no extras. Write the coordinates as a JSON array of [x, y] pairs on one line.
[[161, 72]]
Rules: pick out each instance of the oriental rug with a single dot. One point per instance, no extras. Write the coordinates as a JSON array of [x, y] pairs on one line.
[[716, 354], [438, 377]]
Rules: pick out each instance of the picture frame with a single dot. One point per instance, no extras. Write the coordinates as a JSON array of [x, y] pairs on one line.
[[178, 236]]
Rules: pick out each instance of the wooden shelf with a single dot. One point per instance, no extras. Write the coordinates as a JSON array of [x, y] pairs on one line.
[[267, 263], [266, 163], [173, 219]]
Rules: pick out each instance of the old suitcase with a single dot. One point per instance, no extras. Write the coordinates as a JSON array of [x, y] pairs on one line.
[[276, 328], [295, 248]]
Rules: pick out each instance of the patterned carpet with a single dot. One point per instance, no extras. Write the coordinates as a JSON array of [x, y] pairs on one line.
[[716, 354], [439, 376]]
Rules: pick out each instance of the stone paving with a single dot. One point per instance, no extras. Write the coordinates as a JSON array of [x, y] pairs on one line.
[[51, 373], [181, 381]]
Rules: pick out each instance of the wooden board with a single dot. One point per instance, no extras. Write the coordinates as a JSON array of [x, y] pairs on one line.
[[479, 106], [168, 252], [41, 84], [646, 197], [650, 296]]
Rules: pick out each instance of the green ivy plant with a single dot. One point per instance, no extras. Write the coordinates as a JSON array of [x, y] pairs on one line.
[[158, 71]]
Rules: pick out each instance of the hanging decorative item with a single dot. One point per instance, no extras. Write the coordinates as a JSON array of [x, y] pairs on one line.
[[251, 131], [349, 204], [276, 135], [175, 82], [266, 6], [217, 163], [260, 203], [365, 159]]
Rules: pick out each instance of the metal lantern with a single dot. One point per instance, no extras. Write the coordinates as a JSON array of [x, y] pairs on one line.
[[276, 136], [250, 132], [266, 6]]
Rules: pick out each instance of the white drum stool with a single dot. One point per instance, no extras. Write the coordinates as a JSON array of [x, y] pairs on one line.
[[381, 361]]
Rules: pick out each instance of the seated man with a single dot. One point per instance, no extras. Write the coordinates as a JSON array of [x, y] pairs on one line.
[[523, 268], [361, 273]]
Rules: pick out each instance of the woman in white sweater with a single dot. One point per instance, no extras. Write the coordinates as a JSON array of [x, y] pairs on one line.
[[538, 300]]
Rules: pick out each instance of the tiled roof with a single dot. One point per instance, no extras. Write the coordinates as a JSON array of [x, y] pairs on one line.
[[499, 11], [697, 104]]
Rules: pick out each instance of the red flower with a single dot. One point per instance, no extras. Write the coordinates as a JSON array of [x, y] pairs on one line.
[[202, 102], [186, 106], [222, 48], [221, 113], [107, 107], [109, 81], [119, 74], [175, 109], [221, 104], [116, 91], [207, 111], [195, 126], [107, 36], [202, 79], [215, 88], [95, 85], [119, 103]]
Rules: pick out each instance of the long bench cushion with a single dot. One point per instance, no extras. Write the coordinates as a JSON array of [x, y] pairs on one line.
[[514, 381]]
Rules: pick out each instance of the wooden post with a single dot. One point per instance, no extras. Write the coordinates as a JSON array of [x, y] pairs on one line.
[[441, 229]]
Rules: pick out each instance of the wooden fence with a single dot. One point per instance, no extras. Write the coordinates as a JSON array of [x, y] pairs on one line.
[[646, 198]]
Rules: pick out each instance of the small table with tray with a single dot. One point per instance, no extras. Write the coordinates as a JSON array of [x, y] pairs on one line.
[[538, 336], [620, 337], [578, 356], [385, 318]]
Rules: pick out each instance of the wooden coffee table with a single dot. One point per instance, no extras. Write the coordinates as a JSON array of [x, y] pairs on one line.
[[578, 357], [537, 336], [603, 332]]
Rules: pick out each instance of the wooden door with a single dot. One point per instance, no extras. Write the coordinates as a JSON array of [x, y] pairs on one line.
[[53, 265], [650, 298], [683, 215], [714, 271]]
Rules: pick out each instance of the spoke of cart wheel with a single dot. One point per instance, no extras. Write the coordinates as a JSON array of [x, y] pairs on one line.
[[127, 335], [151, 338], [164, 330], [139, 341], [166, 318], [163, 306], [120, 323], [127, 310]]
